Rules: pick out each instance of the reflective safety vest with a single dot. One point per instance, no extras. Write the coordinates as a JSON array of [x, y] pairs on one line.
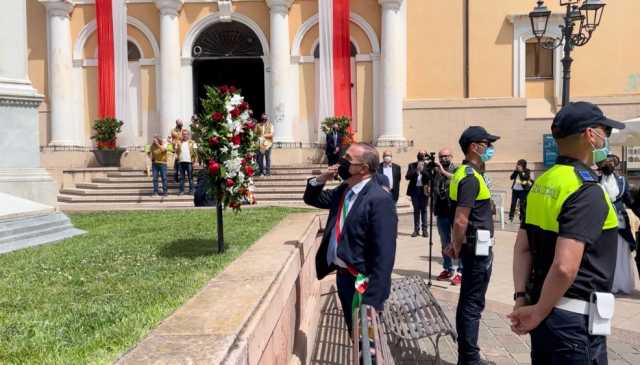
[[463, 171], [550, 191]]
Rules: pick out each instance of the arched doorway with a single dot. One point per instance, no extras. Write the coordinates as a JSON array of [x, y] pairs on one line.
[[229, 53]]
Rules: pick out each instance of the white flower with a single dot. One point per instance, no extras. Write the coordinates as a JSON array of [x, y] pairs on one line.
[[233, 167], [236, 100], [224, 149], [244, 116]]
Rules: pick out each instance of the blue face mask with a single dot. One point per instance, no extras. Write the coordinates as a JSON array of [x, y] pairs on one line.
[[488, 154], [600, 154]]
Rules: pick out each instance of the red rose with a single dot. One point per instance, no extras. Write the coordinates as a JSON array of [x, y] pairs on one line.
[[235, 113], [249, 170], [223, 89], [236, 139], [214, 141], [230, 183], [244, 106], [217, 116], [233, 89], [214, 167], [251, 125]]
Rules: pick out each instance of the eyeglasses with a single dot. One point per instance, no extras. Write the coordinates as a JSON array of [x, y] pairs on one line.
[[444, 156]]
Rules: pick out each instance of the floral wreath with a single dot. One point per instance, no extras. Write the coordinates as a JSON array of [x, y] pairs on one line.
[[227, 143]]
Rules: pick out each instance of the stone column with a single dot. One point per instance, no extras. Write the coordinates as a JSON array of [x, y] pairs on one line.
[[60, 73], [280, 61], [20, 171], [170, 70], [393, 64]]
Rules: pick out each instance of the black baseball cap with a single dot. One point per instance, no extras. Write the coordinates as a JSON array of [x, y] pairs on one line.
[[576, 117], [475, 134]]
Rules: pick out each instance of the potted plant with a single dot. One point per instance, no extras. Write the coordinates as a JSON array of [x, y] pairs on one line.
[[105, 132], [344, 128]]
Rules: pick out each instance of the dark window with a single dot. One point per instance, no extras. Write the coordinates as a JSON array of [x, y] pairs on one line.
[[539, 61], [232, 39], [133, 53], [316, 52]]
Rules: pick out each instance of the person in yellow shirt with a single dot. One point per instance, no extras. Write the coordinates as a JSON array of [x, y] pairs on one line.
[[264, 131], [158, 153], [186, 156], [175, 137]]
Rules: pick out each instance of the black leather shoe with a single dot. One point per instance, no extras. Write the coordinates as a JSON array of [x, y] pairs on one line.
[[425, 234], [414, 234]]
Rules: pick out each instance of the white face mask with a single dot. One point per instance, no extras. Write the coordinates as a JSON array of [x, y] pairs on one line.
[[387, 159]]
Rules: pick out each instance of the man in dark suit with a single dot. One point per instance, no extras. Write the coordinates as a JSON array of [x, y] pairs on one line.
[[333, 147], [392, 172], [361, 230], [418, 177]]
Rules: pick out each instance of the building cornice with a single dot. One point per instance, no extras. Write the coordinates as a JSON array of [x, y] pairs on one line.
[[169, 7], [21, 101], [60, 8]]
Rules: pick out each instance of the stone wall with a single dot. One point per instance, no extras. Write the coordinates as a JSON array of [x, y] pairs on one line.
[[263, 308]]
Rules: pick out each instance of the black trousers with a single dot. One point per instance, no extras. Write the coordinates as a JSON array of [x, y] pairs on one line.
[[563, 338], [419, 201], [346, 284], [333, 158], [517, 196], [475, 281]]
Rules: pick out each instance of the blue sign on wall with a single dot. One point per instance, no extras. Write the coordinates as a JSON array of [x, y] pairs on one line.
[[550, 150]]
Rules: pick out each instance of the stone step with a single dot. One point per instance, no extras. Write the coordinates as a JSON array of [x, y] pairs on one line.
[[274, 171], [172, 190], [174, 185], [33, 231], [99, 199], [125, 198], [92, 207], [148, 179], [24, 225]]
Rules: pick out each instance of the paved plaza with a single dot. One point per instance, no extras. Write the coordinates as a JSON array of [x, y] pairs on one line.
[[497, 342]]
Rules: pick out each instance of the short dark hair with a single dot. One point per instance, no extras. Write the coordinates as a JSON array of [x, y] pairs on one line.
[[523, 163], [370, 156]]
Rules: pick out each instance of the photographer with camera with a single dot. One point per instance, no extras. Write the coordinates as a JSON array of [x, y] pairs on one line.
[[419, 177], [442, 209]]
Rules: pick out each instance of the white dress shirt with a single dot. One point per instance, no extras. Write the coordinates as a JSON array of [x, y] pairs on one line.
[[387, 170], [352, 195]]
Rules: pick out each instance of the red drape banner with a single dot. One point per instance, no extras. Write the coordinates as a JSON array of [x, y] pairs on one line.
[[106, 74], [341, 59]]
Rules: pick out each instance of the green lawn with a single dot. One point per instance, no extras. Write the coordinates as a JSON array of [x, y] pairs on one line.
[[88, 299]]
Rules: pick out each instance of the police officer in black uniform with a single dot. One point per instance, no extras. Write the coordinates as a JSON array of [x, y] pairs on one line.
[[472, 238], [565, 252]]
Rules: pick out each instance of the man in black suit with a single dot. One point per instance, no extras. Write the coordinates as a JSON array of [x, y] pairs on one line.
[[361, 231], [334, 145], [392, 172], [419, 177]]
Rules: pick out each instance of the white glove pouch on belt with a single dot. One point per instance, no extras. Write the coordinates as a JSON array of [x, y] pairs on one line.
[[601, 308], [483, 242]]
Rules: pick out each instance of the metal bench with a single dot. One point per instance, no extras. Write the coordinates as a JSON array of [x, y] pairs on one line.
[[412, 313]]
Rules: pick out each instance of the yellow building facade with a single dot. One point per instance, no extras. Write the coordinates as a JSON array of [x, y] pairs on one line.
[[461, 63]]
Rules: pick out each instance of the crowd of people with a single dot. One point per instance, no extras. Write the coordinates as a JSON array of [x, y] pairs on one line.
[[180, 150], [572, 252]]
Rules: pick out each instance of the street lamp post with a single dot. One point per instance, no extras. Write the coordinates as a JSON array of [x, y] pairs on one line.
[[588, 15]]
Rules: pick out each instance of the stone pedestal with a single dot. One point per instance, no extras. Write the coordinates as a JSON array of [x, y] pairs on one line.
[[20, 172]]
